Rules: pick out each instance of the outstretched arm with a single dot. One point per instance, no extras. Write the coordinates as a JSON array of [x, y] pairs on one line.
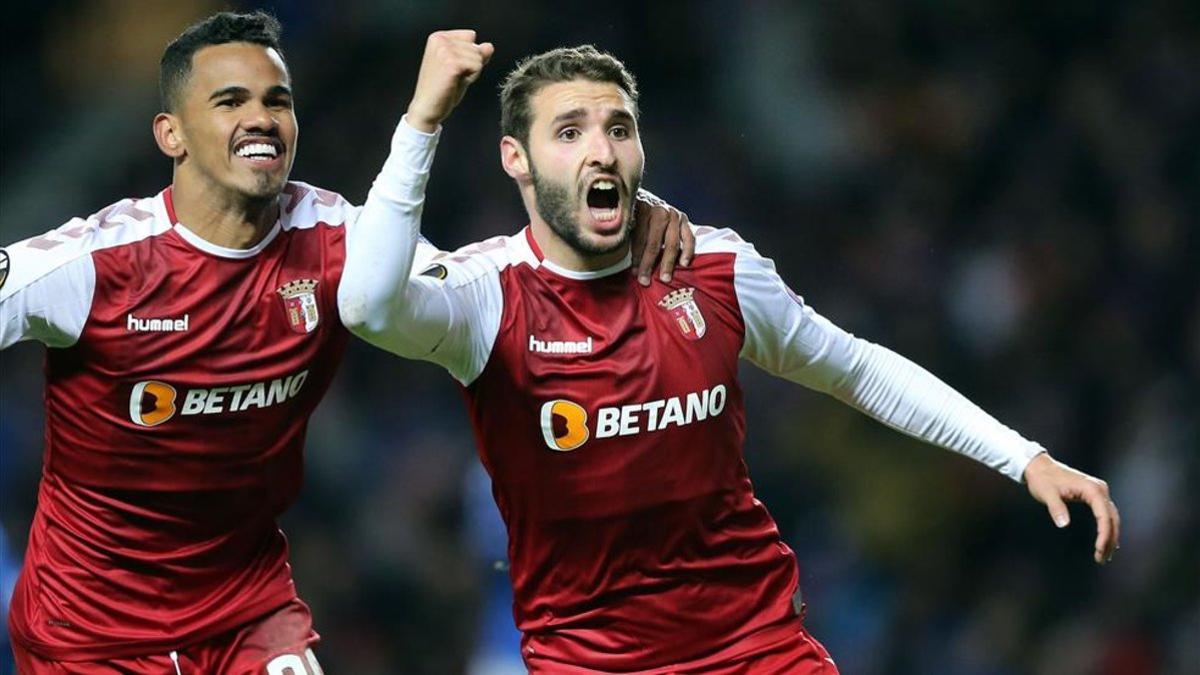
[[787, 338]]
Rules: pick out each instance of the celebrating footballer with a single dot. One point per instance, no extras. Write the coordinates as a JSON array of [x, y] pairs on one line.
[[609, 414], [191, 334]]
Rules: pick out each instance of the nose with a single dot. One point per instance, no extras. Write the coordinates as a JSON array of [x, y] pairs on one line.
[[601, 152], [259, 118]]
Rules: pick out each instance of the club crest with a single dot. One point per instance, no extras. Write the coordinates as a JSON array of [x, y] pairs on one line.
[[682, 307], [300, 304]]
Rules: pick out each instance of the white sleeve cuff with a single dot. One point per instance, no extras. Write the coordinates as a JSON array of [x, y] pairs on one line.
[[403, 176]]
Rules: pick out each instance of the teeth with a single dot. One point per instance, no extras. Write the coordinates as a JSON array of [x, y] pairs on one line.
[[604, 185], [604, 214], [257, 149]]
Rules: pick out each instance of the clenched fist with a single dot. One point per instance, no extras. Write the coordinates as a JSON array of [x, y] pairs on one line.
[[451, 63]]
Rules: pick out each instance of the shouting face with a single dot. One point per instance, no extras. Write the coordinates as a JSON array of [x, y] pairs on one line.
[[585, 161]]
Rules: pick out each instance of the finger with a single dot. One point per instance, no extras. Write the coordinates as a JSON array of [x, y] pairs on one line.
[[640, 225], [1116, 533], [467, 55], [1104, 525], [458, 34], [670, 248], [689, 241], [470, 62], [655, 224], [486, 50], [1058, 510]]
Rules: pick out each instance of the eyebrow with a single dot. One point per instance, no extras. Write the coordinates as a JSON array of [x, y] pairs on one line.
[[236, 90], [616, 113]]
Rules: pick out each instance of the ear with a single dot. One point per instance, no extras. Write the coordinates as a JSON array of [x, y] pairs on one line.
[[168, 133], [514, 158]]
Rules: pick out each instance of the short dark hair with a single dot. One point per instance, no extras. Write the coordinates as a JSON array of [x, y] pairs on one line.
[[557, 65], [256, 27]]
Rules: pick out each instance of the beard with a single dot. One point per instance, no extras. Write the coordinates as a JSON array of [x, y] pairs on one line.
[[559, 206], [265, 187]]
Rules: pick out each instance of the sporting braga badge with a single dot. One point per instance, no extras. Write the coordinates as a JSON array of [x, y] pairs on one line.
[[300, 304], [684, 310]]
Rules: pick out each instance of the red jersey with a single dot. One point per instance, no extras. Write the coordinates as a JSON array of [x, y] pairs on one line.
[[611, 421], [178, 388], [179, 384]]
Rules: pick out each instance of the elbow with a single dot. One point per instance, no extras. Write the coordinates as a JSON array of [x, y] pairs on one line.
[[353, 312], [361, 316], [379, 323]]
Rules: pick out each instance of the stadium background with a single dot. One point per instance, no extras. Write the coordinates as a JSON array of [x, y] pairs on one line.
[[1004, 192]]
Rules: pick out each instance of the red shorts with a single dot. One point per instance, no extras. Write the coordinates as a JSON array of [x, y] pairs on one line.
[[278, 644], [797, 654], [800, 654]]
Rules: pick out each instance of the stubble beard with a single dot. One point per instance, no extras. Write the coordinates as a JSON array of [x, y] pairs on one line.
[[559, 207], [261, 197], [262, 192]]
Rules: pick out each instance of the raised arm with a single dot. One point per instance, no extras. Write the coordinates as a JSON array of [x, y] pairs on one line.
[[788, 338], [376, 300]]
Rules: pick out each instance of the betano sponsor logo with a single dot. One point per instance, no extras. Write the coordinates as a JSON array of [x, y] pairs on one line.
[[153, 402], [165, 325], [565, 423], [560, 346]]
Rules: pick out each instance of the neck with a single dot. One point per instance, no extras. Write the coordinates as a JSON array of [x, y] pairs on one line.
[[223, 219]]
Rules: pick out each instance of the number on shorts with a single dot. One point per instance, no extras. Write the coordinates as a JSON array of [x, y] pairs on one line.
[[292, 664]]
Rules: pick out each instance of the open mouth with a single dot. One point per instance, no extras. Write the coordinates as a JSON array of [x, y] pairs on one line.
[[604, 201], [259, 150]]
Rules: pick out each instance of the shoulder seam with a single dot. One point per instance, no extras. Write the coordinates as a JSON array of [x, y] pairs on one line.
[[87, 224]]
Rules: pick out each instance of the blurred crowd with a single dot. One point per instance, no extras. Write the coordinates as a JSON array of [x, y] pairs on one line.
[[1004, 192]]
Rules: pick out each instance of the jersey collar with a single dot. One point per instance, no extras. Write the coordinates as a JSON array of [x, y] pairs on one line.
[[208, 247], [620, 266]]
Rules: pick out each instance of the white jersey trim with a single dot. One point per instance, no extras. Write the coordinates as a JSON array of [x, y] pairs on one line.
[[207, 246], [51, 281], [587, 275]]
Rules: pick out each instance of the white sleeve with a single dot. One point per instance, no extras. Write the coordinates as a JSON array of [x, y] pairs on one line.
[[45, 293], [381, 245], [383, 297], [787, 338], [465, 291]]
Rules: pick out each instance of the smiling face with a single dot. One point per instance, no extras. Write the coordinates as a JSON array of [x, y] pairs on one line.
[[585, 161], [235, 130]]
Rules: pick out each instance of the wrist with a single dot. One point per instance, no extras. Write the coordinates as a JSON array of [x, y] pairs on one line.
[[1040, 462], [422, 122]]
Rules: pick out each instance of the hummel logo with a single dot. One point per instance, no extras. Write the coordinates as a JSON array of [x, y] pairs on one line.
[[133, 323], [560, 346]]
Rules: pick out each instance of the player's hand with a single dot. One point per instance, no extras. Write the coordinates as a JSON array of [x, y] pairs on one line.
[[1054, 483], [661, 233], [451, 63]]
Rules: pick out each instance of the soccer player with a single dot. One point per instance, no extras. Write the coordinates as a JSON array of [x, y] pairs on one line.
[[192, 333], [610, 417]]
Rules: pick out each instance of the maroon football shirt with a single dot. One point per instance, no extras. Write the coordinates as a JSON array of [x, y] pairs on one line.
[[175, 418]]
